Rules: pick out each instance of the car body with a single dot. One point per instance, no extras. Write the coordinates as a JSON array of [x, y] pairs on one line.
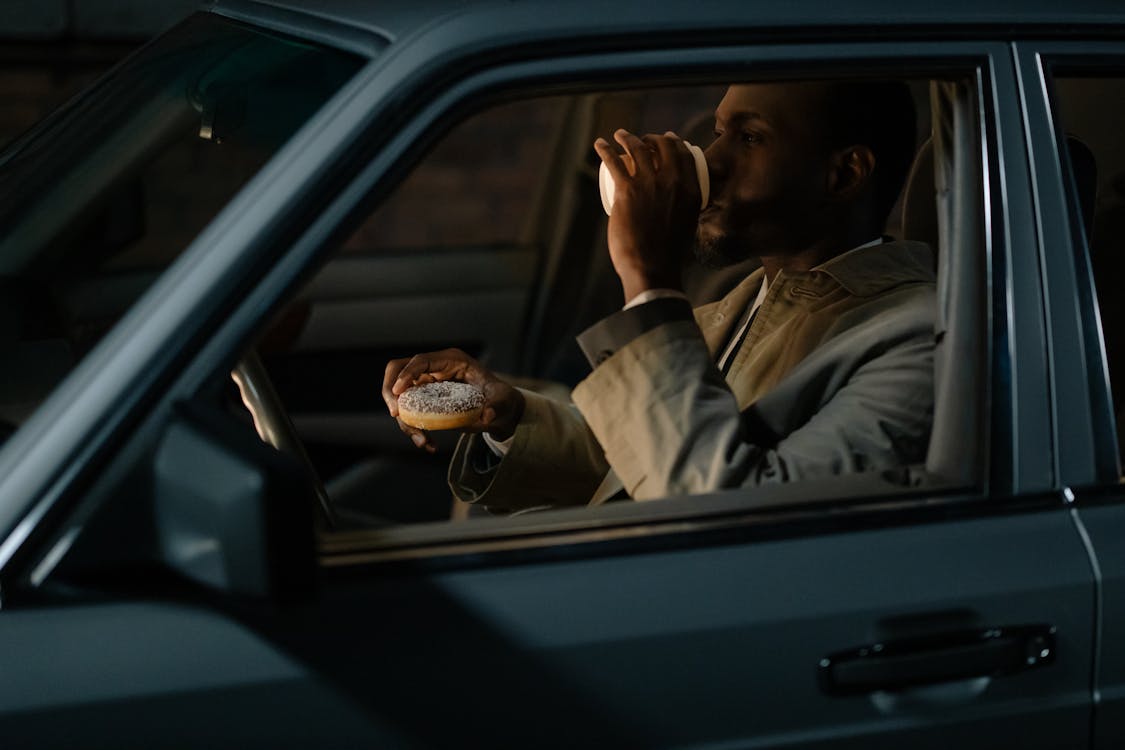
[[161, 581]]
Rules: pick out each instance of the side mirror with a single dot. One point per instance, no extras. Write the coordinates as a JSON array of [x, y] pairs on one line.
[[229, 511]]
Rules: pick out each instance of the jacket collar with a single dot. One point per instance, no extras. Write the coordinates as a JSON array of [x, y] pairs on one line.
[[868, 271], [863, 272]]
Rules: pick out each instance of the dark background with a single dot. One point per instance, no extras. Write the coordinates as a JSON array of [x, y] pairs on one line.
[[51, 49]]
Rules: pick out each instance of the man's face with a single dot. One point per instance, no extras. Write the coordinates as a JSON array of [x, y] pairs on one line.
[[769, 171]]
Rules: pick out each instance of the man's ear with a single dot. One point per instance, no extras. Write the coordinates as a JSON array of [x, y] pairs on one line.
[[850, 171]]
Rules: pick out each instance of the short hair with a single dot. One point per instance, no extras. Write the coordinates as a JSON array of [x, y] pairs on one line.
[[881, 116]]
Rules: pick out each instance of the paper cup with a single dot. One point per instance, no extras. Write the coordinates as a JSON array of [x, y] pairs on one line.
[[605, 180]]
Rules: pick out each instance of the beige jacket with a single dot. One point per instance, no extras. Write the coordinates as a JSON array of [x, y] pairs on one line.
[[834, 376]]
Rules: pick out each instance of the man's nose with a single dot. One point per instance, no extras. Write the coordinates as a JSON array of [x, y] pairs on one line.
[[716, 165]]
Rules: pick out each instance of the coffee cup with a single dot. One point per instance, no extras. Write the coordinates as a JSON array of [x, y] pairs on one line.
[[605, 180]]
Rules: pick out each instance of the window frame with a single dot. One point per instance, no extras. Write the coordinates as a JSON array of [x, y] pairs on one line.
[[287, 251], [716, 516], [1083, 424]]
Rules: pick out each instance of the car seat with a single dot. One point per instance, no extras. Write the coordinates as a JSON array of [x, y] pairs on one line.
[[931, 196], [919, 213]]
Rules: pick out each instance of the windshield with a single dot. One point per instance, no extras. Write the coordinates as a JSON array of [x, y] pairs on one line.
[[103, 195]]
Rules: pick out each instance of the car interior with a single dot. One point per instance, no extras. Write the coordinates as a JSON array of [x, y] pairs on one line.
[[503, 218]]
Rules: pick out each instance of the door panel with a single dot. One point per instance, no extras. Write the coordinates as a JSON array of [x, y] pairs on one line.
[[1106, 528], [720, 647], [158, 675]]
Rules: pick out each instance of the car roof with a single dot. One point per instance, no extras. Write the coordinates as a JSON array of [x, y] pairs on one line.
[[398, 19]]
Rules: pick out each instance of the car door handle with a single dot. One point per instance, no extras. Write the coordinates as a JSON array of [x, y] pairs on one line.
[[900, 664]]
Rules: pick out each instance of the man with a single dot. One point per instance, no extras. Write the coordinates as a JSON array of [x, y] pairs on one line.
[[818, 364]]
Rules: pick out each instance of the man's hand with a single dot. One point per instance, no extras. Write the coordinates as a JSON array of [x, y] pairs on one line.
[[503, 404], [655, 210]]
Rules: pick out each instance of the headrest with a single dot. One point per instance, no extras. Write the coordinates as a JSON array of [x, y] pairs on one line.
[[919, 202]]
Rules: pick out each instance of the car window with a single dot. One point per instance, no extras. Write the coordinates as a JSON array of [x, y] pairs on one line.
[[103, 195], [1090, 122], [428, 269]]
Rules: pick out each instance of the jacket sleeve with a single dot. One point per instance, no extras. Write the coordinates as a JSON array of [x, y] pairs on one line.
[[671, 426], [554, 460]]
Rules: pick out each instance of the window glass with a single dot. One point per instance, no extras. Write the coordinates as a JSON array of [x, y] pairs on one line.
[[99, 198], [1092, 120]]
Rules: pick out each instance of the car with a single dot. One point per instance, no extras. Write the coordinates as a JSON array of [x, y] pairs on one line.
[[212, 533]]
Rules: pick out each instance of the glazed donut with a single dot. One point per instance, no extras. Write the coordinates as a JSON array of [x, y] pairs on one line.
[[447, 405]]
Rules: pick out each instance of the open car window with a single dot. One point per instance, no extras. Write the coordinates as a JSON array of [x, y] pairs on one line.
[[495, 244]]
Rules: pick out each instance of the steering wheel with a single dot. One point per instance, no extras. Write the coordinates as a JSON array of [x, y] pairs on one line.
[[274, 426]]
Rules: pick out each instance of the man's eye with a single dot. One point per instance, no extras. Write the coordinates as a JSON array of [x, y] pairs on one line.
[[748, 137]]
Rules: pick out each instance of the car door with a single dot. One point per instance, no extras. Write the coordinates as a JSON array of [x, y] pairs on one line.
[[941, 618], [1075, 94], [954, 615], [950, 617]]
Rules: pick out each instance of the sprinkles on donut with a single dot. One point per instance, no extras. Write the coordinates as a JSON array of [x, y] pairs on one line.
[[445, 405]]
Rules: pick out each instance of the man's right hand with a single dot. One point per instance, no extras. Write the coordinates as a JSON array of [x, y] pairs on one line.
[[656, 211], [503, 404]]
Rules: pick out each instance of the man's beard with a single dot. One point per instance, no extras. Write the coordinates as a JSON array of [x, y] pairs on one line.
[[718, 251]]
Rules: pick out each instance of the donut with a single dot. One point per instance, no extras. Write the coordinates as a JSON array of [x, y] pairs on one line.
[[447, 405]]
